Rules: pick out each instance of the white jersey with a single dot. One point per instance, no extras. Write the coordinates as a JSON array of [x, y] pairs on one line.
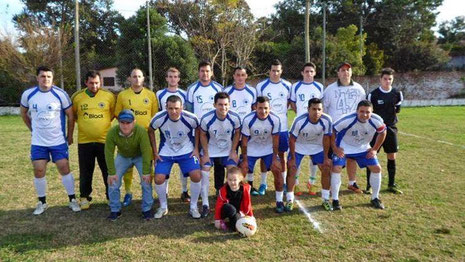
[[47, 111], [260, 133], [242, 100], [279, 95], [176, 137], [220, 133], [355, 136], [202, 97], [309, 136], [301, 92], [162, 96], [339, 100]]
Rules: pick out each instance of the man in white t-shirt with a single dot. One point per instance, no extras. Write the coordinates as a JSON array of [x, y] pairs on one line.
[[44, 109]]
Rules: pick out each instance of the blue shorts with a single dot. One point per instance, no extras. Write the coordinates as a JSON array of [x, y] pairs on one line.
[[283, 141], [186, 164], [225, 161], [44, 152], [317, 158], [267, 159], [361, 159]]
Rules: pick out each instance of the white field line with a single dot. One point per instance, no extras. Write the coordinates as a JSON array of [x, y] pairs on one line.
[[430, 139], [315, 223]]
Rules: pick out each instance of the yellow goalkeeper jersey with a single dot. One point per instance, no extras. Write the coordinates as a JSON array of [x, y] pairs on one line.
[[144, 105], [94, 114]]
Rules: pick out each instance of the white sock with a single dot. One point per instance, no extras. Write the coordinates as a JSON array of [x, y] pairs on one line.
[[375, 182], [263, 177], [296, 181], [41, 186], [183, 182], [351, 182], [325, 194], [250, 177], [284, 174], [290, 196], [279, 196], [68, 182], [205, 185], [313, 168], [335, 185], [167, 187], [161, 192], [195, 192]]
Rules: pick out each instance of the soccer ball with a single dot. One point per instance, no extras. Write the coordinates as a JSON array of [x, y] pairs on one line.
[[246, 226]]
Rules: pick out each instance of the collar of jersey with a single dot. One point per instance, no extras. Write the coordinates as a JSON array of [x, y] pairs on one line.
[[280, 80], [121, 134], [42, 91], [90, 94], [307, 83], [351, 83], [384, 91]]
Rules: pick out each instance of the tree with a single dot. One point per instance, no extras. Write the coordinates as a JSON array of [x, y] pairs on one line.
[[452, 36]]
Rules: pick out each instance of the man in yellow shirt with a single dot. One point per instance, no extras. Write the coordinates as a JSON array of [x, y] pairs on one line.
[[143, 102], [93, 109]]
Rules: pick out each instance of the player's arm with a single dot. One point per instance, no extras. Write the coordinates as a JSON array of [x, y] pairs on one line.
[[110, 157], [119, 105], [292, 163], [378, 143], [70, 114], [204, 142], [196, 143], [293, 106], [337, 150], [326, 146], [144, 146], [275, 162], [25, 117], [235, 143], [153, 143], [245, 162], [112, 107]]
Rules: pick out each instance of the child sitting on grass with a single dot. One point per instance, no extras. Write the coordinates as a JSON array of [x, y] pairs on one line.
[[233, 201]]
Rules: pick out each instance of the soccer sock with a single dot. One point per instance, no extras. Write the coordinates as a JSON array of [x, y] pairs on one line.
[[183, 182], [335, 185], [368, 178], [161, 192], [249, 179], [351, 182], [263, 177], [205, 185], [313, 169], [375, 182], [68, 182], [41, 187], [284, 174], [290, 196], [325, 194], [391, 167], [167, 185], [195, 192], [279, 196]]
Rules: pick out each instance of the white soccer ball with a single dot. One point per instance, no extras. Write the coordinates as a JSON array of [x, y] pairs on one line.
[[246, 226]]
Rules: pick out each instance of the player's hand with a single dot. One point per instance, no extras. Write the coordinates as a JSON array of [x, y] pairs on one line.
[[112, 179], [156, 157], [70, 140], [339, 152], [233, 156], [205, 159], [371, 153], [147, 179], [244, 165], [276, 166], [195, 153]]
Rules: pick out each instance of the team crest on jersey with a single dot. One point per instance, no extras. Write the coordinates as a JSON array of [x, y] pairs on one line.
[[223, 137], [101, 105], [212, 98], [146, 101], [176, 139], [380, 102], [246, 102]]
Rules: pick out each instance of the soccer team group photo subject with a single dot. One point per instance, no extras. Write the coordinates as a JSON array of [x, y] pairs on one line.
[[227, 129]]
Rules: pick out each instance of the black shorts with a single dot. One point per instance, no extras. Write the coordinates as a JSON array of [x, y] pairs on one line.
[[390, 143]]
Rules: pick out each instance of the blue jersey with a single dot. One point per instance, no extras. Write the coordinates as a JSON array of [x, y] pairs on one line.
[[279, 95], [260, 133], [162, 96], [242, 100], [220, 133], [309, 136], [202, 97]]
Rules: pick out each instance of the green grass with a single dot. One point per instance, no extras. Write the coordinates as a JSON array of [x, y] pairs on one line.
[[426, 223]]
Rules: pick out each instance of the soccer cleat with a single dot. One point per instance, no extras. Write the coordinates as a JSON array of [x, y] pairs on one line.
[[262, 189], [311, 189], [205, 211], [297, 192], [395, 190], [279, 207], [355, 188], [376, 203], [194, 213], [40, 208], [147, 215], [74, 205], [326, 205], [336, 205], [289, 206], [161, 212], [254, 191], [185, 197], [127, 199], [84, 203], [367, 191], [113, 216]]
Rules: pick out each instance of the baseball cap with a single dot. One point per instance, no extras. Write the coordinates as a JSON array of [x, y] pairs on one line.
[[344, 64], [126, 115]]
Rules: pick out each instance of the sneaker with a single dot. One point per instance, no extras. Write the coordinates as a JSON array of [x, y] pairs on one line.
[[297, 192], [223, 226], [355, 188], [147, 215], [289, 206], [368, 191], [74, 205], [336, 205], [113, 216], [326, 205], [279, 207], [161, 212], [262, 189], [40, 208], [194, 212], [376, 203], [185, 197], [311, 189], [127, 199], [205, 211], [395, 190], [84, 203], [254, 191]]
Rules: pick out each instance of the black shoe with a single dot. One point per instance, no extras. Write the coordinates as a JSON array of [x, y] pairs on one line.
[[185, 197], [205, 211], [254, 191], [336, 205], [376, 203], [367, 191], [147, 215], [113, 216]]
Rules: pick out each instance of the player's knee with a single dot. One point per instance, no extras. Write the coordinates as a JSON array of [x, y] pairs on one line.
[[195, 176], [160, 179], [375, 169], [336, 169]]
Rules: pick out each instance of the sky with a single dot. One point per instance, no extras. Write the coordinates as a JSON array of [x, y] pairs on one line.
[[449, 9]]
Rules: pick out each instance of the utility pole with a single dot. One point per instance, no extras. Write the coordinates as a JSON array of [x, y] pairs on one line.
[[361, 30], [60, 54], [76, 48], [149, 47], [324, 43], [307, 31]]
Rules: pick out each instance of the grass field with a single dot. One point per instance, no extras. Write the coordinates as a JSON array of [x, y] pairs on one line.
[[427, 223]]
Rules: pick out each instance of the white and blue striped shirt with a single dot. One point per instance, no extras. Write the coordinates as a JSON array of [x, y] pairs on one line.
[[309, 136], [201, 98], [242, 100], [301, 92], [279, 95], [220, 133], [260, 133], [162, 96]]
